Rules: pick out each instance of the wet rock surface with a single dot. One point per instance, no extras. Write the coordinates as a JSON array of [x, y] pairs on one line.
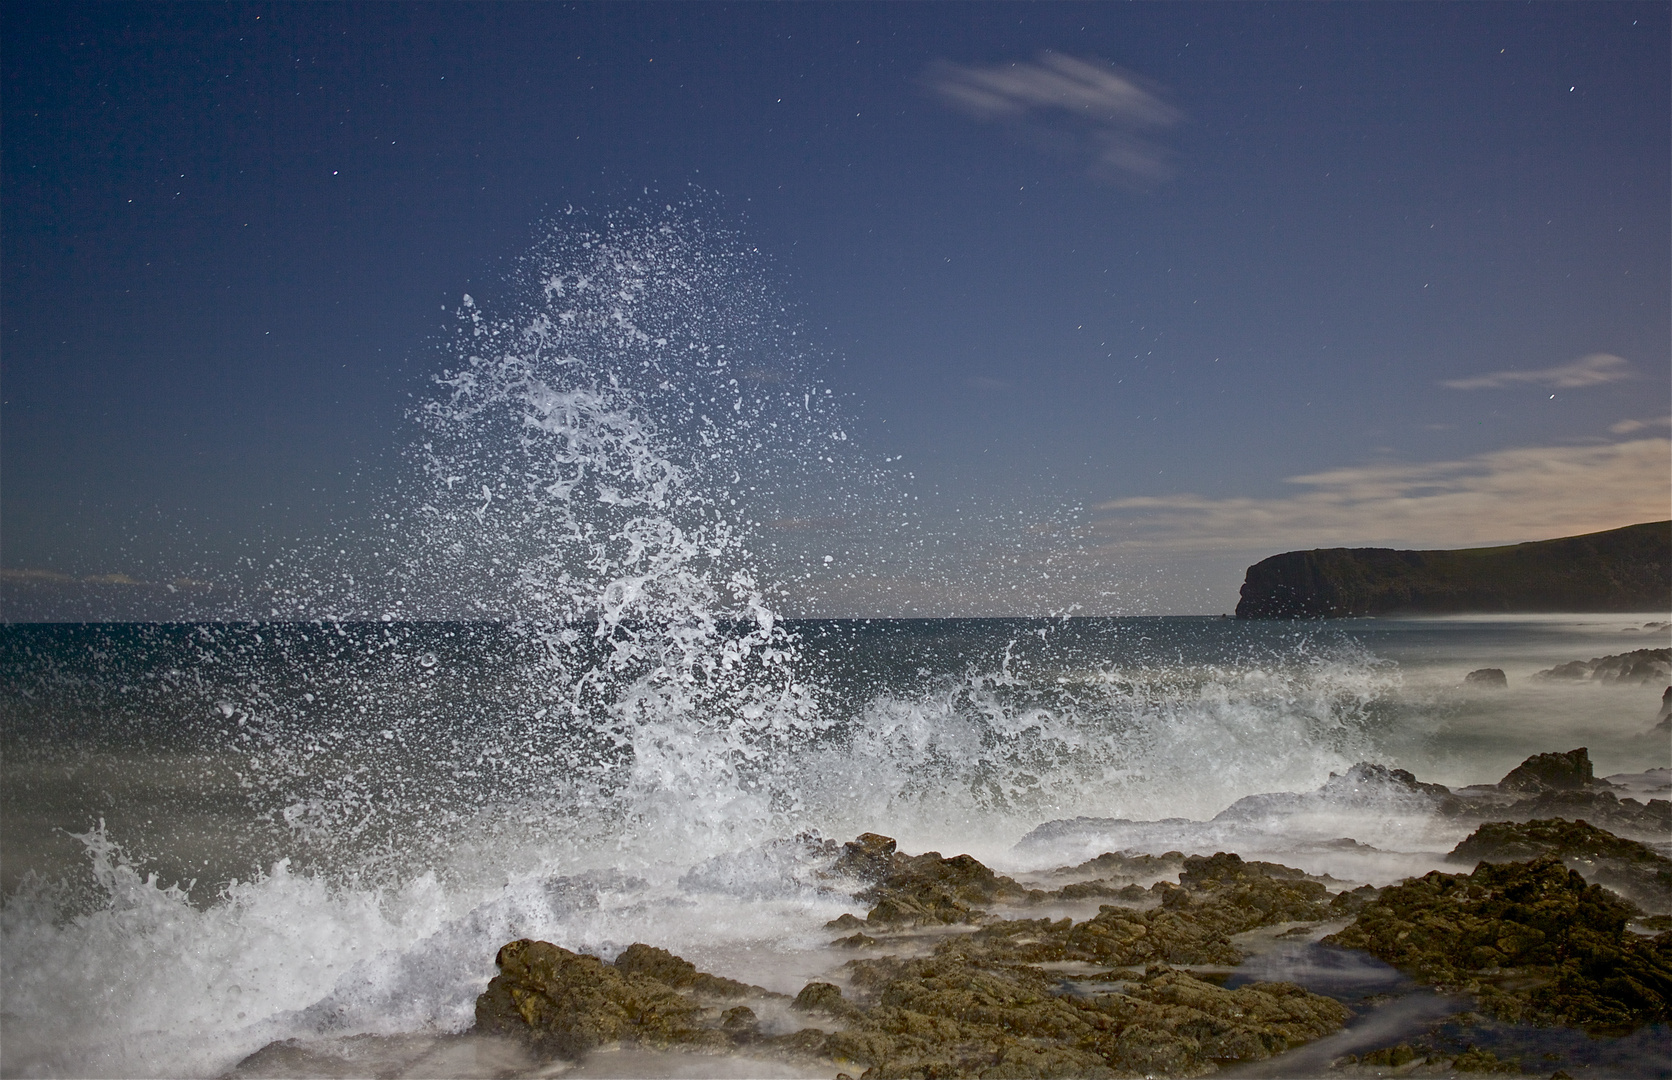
[[1634, 870], [947, 976], [1532, 940], [997, 997], [568, 1003]]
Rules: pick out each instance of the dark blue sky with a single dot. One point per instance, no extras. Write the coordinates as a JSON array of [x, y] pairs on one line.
[[1154, 261]]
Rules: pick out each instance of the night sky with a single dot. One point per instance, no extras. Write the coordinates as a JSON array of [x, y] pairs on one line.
[[1210, 281]]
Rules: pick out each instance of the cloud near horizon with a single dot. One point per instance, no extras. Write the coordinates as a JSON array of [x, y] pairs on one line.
[[1101, 108], [1592, 370], [1626, 427], [1505, 496]]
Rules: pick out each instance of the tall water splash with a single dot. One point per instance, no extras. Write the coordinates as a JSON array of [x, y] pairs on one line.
[[599, 460]]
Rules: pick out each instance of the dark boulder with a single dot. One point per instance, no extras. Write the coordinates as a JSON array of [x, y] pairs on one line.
[[1487, 676], [1552, 772]]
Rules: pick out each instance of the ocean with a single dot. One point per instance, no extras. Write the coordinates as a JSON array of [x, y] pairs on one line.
[[221, 836]]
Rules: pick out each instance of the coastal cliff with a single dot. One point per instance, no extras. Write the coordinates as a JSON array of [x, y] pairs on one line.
[[1627, 569]]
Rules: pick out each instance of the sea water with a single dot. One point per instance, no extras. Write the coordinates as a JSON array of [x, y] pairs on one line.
[[547, 690], [218, 837]]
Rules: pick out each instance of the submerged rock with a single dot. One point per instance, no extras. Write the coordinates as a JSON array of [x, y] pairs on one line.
[[1533, 940]]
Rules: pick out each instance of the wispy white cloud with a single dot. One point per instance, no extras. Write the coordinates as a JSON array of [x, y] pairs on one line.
[[1592, 370], [1526, 493], [1626, 427], [1102, 108]]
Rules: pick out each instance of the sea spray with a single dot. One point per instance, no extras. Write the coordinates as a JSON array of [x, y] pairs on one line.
[[553, 696]]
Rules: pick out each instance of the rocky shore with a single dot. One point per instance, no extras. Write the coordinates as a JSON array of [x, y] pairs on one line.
[[958, 971]]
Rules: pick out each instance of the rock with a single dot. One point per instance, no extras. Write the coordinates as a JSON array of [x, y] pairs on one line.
[[1551, 772], [1371, 796], [952, 1014], [1365, 785], [681, 974], [1632, 668], [1621, 816], [568, 1003], [1564, 786], [740, 1018], [1663, 718], [922, 890], [1487, 676], [979, 1004], [870, 857], [1532, 940], [821, 997], [1627, 569], [1635, 870]]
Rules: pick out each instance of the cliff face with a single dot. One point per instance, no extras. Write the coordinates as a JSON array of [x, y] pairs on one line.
[[1627, 569]]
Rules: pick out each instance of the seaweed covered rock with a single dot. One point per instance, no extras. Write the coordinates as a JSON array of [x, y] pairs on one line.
[[921, 890], [953, 1014], [1246, 895], [568, 1003], [1532, 939], [1218, 896], [981, 1004], [928, 890], [1635, 870], [947, 1016]]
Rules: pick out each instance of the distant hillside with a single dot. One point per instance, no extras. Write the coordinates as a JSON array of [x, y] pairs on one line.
[[1627, 569]]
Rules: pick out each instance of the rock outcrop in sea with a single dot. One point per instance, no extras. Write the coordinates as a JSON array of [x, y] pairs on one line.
[[1531, 941], [1371, 806], [1633, 668], [1101, 997], [954, 972], [1488, 676], [1634, 870], [1627, 569]]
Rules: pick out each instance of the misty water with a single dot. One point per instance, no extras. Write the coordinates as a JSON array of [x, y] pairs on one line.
[[548, 691]]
